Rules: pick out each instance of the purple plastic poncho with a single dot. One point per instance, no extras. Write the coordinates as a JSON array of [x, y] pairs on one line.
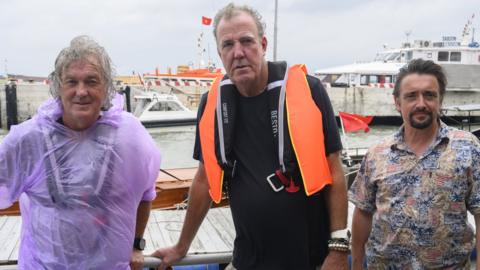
[[79, 191]]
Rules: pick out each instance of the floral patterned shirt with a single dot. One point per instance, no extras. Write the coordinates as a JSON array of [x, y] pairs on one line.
[[419, 203]]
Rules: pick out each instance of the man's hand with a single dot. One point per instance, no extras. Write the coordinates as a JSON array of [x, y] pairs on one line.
[[136, 262], [336, 260], [169, 256]]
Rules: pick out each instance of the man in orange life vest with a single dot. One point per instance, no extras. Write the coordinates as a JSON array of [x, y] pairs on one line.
[[268, 138]]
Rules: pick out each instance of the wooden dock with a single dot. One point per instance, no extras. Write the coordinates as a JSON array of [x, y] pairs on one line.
[[215, 236]]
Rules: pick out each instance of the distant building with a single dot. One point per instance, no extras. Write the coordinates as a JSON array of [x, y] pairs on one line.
[[23, 79], [130, 80]]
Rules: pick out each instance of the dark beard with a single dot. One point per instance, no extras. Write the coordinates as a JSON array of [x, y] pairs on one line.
[[421, 125]]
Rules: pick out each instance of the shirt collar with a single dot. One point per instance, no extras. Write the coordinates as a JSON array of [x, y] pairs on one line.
[[398, 142]]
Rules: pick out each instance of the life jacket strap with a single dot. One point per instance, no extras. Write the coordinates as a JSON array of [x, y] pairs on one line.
[[229, 169], [285, 183]]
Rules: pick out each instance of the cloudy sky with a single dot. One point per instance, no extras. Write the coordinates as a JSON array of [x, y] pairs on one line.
[[141, 35]]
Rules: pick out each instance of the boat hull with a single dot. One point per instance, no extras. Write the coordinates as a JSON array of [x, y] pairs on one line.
[[172, 192], [379, 101], [169, 123]]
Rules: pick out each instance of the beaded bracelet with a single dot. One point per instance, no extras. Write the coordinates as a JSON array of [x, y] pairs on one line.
[[339, 245]]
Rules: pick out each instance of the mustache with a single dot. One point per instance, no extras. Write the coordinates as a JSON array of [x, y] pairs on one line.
[[421, 110], [236, 65]]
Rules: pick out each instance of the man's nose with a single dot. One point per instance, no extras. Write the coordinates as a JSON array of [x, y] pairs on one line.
[[238, 50], [81, 90], [421, 102]]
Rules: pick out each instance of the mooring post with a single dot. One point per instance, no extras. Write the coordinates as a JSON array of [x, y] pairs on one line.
[[11, 104], [127, 98]]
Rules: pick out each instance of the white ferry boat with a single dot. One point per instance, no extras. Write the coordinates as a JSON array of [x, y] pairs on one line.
[[366, 88]]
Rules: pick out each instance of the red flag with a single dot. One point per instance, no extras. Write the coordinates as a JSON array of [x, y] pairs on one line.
[[354, 122], [206, 20]]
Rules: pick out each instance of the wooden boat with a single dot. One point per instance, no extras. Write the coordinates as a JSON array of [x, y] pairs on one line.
[[172, 188], [172, 191]]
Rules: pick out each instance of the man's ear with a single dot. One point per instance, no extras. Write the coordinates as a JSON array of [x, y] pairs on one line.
[[397, 103], [264, 44]]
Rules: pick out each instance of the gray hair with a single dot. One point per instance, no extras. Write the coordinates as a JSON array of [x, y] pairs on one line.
[[81, 48], [231, 10]]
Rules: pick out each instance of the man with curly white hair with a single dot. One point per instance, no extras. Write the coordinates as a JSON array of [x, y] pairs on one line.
[[83, 169]]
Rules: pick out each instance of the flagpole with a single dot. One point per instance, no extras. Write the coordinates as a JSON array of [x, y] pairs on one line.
[[275, 32], [349, 159], [142, 81]]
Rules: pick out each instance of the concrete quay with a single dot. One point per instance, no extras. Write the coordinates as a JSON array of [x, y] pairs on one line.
[[379, 102], [359, 100], [29, 97]]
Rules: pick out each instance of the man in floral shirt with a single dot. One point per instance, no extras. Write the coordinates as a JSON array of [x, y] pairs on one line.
[[414, 188]]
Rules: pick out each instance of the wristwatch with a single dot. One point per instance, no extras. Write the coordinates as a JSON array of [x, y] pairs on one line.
[[139, 243], [341, 234]]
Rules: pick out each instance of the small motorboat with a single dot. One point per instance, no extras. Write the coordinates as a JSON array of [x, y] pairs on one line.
[[162, 110]]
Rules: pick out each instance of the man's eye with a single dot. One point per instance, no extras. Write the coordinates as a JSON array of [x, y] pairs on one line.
[[227, 44], [69, 82]]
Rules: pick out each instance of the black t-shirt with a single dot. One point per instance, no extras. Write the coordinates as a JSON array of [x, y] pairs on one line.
[[274, 230]]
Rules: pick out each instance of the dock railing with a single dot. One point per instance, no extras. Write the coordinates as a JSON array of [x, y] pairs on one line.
[[153, 262], [469, 121], [220, 258]]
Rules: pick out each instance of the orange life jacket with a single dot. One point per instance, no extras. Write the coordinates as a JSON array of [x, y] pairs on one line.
[[305, 127]]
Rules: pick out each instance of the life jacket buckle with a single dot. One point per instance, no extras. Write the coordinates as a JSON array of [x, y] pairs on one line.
[[269, 180], [289, 184]]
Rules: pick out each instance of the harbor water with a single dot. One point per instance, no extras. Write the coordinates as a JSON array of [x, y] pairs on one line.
[[176, 143]]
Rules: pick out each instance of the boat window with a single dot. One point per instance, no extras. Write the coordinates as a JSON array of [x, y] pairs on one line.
[[388, 79], [322, 77], [455, 56], [373, 79], [381, 79], [363, 80], [409, 56], [443, 56], [341, 80], [172, 106], [393, 56], [158, 107]]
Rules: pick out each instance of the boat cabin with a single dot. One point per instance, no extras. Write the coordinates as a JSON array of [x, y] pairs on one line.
[[461, 61]]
